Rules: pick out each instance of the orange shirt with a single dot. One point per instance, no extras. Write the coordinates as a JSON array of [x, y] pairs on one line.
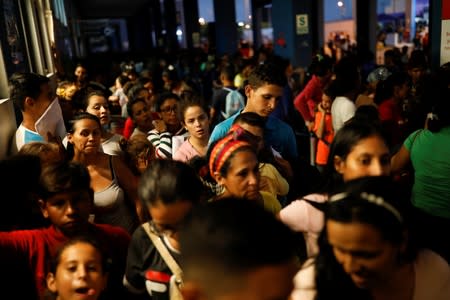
[[322, 148]]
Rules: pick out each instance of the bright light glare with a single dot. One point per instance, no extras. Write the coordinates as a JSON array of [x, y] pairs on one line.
[[201, 21], [179, 32], [240, 24], [340, 3], [247, 26]]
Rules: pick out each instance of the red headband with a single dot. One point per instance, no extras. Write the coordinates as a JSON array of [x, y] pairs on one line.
[[222, 151], [236, 130]]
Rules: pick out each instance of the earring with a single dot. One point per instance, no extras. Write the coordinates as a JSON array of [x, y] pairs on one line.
[[219, 189]]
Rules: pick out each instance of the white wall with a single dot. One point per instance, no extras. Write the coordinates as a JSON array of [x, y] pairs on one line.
[[347, 26]]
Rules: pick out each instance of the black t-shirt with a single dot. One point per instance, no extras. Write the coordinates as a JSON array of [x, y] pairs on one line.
[[146, 271]]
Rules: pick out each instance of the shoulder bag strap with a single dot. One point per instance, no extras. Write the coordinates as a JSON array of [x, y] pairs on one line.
[[162, 249]]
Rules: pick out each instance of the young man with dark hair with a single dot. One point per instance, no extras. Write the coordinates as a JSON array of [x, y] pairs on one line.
[[32, 94], [263, 91], [235, 249]]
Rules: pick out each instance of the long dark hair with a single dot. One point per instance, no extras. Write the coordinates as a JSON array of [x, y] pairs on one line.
[[439, 117], [81, 239], [169, 181], [190, 101], [385, 88], [343, 143], [61, 177], [70, 151], [369, 200]]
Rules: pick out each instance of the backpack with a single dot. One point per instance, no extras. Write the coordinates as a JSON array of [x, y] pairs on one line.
[[234, 102]]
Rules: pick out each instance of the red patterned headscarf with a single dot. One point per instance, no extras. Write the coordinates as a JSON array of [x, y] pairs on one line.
[[222, 151]]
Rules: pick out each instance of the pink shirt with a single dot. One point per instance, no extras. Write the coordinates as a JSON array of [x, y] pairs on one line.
[[301, 216], [185, 152]]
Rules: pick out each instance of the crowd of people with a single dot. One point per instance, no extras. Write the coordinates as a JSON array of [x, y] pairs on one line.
[[194, 183]]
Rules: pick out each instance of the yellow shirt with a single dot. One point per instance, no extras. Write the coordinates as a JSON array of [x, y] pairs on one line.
[[270, 202]]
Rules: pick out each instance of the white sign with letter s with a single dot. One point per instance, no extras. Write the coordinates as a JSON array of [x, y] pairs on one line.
[[301, 24]]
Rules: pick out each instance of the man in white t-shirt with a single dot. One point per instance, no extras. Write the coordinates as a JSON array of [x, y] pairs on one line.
[[342, 110], [347, 84], [32, 94]]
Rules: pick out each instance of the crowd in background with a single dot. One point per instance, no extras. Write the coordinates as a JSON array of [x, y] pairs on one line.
[[261, 180]]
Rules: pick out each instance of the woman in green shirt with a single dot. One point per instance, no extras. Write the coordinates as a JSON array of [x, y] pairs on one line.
[[428, 150]]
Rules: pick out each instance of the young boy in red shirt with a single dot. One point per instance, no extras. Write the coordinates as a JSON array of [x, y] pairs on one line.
[[66, 200]]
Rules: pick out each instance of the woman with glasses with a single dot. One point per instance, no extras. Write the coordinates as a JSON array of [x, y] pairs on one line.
[[367, 251], [169, 190], [166, 126]]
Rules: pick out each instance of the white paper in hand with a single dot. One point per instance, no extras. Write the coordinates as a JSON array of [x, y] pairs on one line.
[[51, 121]]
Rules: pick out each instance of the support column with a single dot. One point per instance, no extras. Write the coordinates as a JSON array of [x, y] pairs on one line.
[[256, 24], [44, 38], [171, 22], [140, 31], [192, 27], [226, 28], [156, 19], [409, 19], [413, 19], [37, 66], [438, 13], [295, 30], [366, 24], [320, 23]]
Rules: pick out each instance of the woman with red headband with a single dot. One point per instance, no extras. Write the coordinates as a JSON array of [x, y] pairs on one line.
[[234, 166]]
